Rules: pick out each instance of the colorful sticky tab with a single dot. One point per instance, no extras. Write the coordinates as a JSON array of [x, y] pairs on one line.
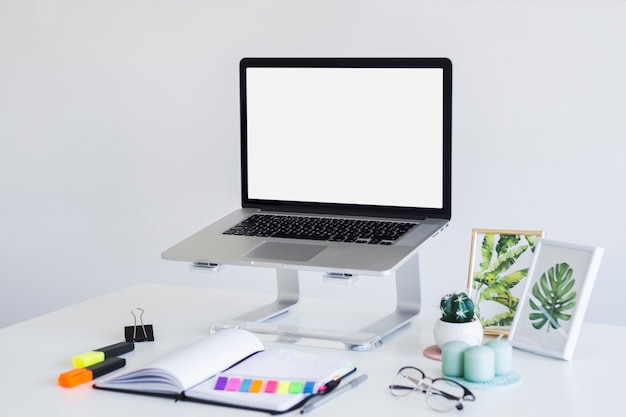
[[233, 384], [283, 387], [271, 386], [256, 385], [296, 387], [245, 385], [309, 387], [220, 384]]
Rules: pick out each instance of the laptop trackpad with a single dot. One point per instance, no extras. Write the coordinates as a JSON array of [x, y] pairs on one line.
[[285, 251]]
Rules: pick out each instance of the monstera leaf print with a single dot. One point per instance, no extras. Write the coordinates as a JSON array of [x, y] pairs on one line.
[[552, 297]]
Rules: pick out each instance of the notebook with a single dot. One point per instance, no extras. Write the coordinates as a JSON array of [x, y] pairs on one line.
[[341, 138], [232, 368]]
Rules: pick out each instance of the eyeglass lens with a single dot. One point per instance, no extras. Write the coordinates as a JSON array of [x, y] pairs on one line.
[[406, 381], [444, 395], [441, 394]]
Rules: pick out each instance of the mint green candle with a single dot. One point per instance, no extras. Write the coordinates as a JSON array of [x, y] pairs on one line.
[[503, 354], [452, 358], [479, 364]]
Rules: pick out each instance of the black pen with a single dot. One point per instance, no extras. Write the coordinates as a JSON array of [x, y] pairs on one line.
[[316, 402]]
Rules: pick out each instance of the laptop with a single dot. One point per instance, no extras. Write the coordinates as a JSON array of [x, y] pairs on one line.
[[364, 141]]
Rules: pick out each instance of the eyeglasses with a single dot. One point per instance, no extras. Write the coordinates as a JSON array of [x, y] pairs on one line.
[[442, 394]]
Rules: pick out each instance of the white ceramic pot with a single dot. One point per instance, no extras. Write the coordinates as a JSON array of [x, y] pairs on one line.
[[470, 332]]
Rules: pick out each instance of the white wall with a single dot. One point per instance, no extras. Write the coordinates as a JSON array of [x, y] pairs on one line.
[[119, 130]]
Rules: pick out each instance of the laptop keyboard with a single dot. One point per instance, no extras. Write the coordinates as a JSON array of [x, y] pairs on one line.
[[321, 228]]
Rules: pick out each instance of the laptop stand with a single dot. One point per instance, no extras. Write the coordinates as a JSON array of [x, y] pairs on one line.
[[259, 321]]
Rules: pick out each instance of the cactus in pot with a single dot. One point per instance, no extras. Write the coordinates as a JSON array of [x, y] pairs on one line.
[[457, 322], [457, 308]]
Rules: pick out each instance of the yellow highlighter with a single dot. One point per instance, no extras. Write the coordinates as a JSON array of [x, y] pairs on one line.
[[99, 355]]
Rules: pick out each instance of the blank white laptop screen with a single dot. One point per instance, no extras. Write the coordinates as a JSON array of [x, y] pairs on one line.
[[371, 136]]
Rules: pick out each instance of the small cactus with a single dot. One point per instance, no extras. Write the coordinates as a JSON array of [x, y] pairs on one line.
[[457, 308]]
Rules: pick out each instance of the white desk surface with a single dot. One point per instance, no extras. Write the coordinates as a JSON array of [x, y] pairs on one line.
[[35, 352]]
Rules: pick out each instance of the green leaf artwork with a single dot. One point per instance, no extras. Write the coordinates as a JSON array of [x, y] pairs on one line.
[[552, 297], [498, 275]]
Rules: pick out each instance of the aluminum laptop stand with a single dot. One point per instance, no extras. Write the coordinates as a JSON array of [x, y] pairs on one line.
[[260, 321]]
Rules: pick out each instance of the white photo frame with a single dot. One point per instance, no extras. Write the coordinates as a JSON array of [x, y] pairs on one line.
[[555, 298]]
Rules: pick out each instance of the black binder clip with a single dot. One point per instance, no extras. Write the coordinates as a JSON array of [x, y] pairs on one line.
[[141, 333]]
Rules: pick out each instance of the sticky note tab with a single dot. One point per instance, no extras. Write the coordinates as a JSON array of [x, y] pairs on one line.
[[283, 387], [220, 384], [309, 387], [271, 386], [245, 385], [296, 387], [87, 359], [233, 384], [256, 386]]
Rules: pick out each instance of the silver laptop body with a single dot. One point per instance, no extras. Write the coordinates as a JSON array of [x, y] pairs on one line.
[[357, 138]]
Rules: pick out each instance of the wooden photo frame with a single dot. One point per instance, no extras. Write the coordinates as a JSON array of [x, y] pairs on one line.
[[499, 263], [555, 298]]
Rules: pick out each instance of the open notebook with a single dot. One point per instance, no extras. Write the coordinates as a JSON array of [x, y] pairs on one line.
[[232, 368]]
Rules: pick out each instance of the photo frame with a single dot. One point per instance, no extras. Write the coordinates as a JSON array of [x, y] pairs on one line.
[[555, 298], [499, 263]]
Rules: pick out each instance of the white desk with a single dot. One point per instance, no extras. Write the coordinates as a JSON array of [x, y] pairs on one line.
[[35, 352]]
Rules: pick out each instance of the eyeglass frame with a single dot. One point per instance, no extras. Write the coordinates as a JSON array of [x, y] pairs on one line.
[[420, 386]]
